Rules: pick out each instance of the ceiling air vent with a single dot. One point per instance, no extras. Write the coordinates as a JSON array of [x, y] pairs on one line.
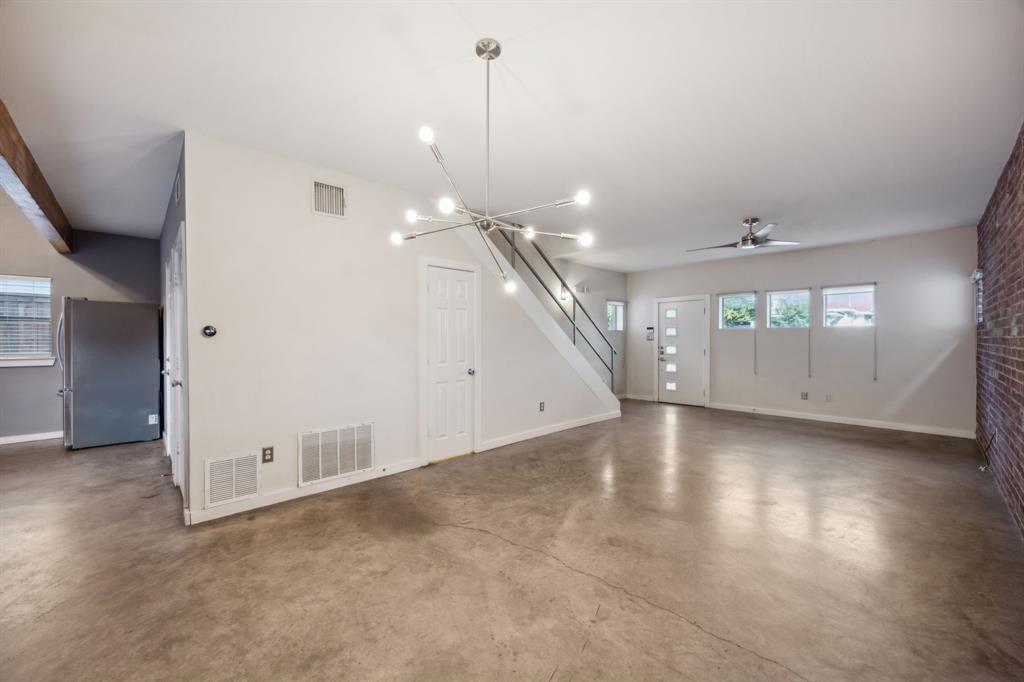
[[332, 453], [232, 479], [328, 199]]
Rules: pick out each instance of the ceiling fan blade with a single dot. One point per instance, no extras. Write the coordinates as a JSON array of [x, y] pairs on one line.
[[777, 242], [763, 232], [730, 245]]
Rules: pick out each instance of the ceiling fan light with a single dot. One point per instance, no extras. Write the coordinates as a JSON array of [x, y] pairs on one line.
[[510, 285], [446, 205], [397, 238], [586, 239], [411, 216], [427, 135], [582, 197], [529, 232]]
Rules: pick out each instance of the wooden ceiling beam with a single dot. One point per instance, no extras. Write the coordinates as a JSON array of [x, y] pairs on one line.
[[24, 182]]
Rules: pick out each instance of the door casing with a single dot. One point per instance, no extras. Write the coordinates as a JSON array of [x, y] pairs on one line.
[[706, 299], [426, 262]]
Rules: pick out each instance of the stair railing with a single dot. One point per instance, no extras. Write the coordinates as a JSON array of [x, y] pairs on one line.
[[609, 365]]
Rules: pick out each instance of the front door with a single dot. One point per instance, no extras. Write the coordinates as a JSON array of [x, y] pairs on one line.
[[681, 326], [449, 376]]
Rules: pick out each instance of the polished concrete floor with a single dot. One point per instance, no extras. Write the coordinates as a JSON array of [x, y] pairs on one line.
[[675, 543]]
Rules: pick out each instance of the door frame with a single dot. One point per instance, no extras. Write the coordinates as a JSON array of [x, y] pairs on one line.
[[426, 262], [706, 298]]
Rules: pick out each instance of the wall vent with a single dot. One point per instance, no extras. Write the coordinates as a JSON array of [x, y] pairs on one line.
[[328, 199], [232, 479], [331, 453]]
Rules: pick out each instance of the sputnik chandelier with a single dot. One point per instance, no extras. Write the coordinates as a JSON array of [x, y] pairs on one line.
[[488, 50]]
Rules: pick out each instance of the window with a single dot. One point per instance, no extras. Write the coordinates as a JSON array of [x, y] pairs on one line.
[[852, 306], [616, 316], [671, 331], [670, 367], [25, 318], [670, 313], [978, 278], [737, 311], [789, 309]]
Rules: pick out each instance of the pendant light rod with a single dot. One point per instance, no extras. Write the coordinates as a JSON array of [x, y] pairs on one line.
[[487, 144]]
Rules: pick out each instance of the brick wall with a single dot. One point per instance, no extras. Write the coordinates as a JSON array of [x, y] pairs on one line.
[[1001, 334]]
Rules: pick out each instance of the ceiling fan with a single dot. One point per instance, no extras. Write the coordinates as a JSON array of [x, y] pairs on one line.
[[753, 239]]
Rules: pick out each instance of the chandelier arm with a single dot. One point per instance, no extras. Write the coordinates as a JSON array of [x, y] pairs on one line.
[[521, 230], [552, 204], [432, 219], [441, 229], [451, 180], [490, 250]]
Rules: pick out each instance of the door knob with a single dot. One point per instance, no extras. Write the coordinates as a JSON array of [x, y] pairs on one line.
[[470, 371]]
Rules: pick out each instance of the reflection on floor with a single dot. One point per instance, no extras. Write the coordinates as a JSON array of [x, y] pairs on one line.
[[674, 543]]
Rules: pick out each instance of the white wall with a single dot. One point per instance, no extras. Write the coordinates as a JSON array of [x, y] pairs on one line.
[[317, 321], [926, 340]]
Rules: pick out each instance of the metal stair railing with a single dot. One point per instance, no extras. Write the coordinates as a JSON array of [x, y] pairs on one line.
[[609, 365]]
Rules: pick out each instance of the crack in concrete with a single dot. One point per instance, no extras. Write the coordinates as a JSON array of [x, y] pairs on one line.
[[634, 595]]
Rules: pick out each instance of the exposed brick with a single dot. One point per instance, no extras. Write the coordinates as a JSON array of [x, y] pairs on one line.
[[1000, 344]]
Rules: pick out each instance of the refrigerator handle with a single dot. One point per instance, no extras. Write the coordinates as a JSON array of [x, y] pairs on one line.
[[60, 341]]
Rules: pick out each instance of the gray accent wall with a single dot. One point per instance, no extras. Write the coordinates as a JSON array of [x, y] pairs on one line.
[[103, 267]]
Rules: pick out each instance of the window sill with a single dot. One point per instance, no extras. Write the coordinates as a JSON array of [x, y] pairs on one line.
[[27, 362]]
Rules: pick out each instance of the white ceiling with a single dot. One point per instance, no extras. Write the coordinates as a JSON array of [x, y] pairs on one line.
[[839, 121]]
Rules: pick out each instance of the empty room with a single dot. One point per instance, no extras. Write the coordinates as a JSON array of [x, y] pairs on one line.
[[542, 341]]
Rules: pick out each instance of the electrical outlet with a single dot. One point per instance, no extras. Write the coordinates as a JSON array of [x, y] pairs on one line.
[[268, 455], [541, 406], [803, 395], [828, 397]]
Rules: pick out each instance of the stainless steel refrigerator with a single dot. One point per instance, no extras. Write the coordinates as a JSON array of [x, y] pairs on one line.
[[109, 354]]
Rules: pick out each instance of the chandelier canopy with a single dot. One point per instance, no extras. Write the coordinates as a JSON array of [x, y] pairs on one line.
[[488, 50]]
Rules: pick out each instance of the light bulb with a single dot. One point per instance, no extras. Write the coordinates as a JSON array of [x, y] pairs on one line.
[[583, 197], [529, 232], [446, 205], [396, 238], [427, 135], [411, 215], [585, 239], [510, 286]]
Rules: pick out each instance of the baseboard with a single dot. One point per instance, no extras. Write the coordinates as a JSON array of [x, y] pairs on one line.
[[853, 421], [29, 437], [640, 396], [498, 442], [197, 516]]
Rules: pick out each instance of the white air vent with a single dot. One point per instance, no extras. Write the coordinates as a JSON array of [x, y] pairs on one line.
[[331, 453], [328, 199], [232, 479]]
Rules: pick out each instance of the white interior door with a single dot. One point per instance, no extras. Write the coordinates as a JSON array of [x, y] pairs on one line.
[[174, 351], [449, 377], [681, 350]]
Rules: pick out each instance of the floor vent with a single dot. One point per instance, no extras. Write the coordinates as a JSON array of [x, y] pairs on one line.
[[331, 453], [232, 479], [328, 199]]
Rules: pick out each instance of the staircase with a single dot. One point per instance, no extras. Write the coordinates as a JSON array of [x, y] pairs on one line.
[[529, 260]]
